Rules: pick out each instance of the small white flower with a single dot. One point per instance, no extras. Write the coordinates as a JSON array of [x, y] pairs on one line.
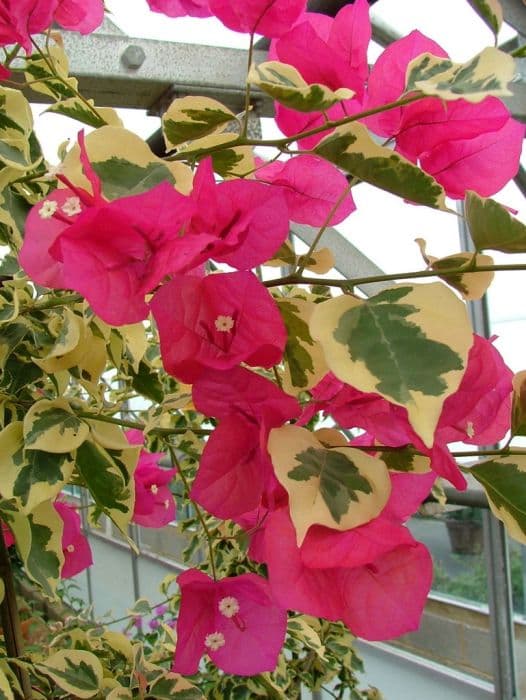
[[48, 208], [229, 606], [224, 323], [470, 430], [70, 548], [166, 504], [71, 206], [215, 641], [154, 489]]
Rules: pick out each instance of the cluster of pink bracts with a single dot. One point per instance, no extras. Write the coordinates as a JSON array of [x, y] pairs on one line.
[[374, 577]]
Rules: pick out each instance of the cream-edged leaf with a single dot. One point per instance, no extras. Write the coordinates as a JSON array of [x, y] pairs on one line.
[[504, 480], [77, 672], [492, 227], [189, 118], [487, 73], [53, 426], [285, 84], [340, 488], [351, 148], [408, 343]]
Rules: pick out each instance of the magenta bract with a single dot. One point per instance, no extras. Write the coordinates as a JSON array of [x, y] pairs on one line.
[[234, 620], [75, 546], [268, 17], [180, 8]]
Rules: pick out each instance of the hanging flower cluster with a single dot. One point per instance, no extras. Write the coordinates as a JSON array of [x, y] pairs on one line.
[[177, 249]]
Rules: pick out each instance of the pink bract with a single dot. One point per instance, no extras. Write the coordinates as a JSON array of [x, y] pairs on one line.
[[217, 322], [312, 186], [75, 546], [82, 16], [247, 221], [180, 8], [154, 503], [234, 620], [268, 17]]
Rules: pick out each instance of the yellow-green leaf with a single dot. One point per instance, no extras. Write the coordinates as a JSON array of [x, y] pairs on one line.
[[492, 226], [32, 476], [42, 71], [340, 488], [488, 73], [352, 149], [38, 538], [472, 285], [408, 343], [285, 84], [84, 112], [189, 118], [16, 125], [136, 343], [518, 413], [490, 11], [5, 689], [77, 672], [172, 686], [504, 480], [52, 426], [304, 360]]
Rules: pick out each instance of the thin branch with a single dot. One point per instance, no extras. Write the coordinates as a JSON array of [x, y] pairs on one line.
[[137, 425]]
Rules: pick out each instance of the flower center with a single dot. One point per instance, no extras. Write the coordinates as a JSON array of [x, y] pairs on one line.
[[70, 548], [215, 641], [48, 208], [224, 323], [229, 606], [154, 489], [71, 206]]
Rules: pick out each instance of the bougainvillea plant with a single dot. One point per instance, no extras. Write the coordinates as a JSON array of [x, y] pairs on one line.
[[301, 421]]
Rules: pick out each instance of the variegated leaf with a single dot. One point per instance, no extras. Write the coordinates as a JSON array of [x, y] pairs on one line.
[[53, 426], [189, 118], [77, 672], [492, 227], [490, 11]]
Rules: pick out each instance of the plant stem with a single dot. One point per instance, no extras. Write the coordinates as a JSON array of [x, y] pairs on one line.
[[137, 425], [65, 300], [199, 513], [355, 281], [10, 618], [244, 128], [284, 142], [299, 270]]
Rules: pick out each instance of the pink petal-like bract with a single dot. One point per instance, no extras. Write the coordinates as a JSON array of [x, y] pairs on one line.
[[154, 503], [483, 164], [312, 187], [242, 392], [19, 19], [268, 17], [217, 322], [114, 254], [234, 620], [180, 8], [82, 16], [387, 79], [9, 538], [247, 221], [77, 552], [432, 122]]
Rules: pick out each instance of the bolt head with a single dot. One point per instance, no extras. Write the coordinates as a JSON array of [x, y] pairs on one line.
[[133, 56]]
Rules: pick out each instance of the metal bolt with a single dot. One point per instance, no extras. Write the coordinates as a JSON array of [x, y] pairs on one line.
[[133, 57]]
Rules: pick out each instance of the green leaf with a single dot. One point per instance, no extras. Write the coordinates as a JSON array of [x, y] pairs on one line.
[[490, 11], [122, 178], [351, 148], [10, 336], [40, 476], [492, 226], [339, 478], [405, 460], [146, 382], [173, 685], [338, 487], [5, 689], [285, 84], [75, 108], [189, 118], [488, 73], [504, 480], [77, 672], [408, 343], [107, 474], [52, 426]]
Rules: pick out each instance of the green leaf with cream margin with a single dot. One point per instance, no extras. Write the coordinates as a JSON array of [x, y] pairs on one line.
[[38, 538], [408, 343], [32, 476], [351, 148], [492, 227], [189, 118], [285, 84], [53, 426], [504, 481], [77, 672], [487, 73], [490, 11], [108, 474], [304, 360], [124, 163], [16, 125], [340, 488]]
